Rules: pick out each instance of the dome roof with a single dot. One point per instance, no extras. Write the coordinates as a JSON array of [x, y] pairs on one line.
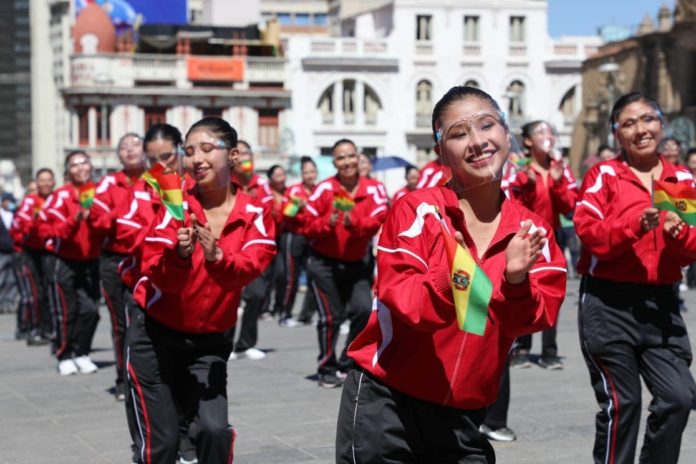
[[93, 31]]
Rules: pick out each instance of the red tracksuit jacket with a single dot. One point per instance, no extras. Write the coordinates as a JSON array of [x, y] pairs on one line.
[[548, 201], [432, 174], [192, 295], [24, 230], [67, 237], [112, 196], [607, 220], [412, 342], [341, 242]]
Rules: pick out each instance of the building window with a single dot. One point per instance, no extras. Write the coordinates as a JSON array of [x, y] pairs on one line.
[[83, 125], [320, 19], [212, 112], [101, 121], [285, 19], [424, 103], [301, 19], [515, 94], [326, 107], [349, 102], [371, 105], [268, 129], [471, 28], [423, 27], [472, 83], [154, 115], [567, 106], [517, 26]]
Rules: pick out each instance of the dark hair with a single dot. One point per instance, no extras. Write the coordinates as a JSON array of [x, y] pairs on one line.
[[460, 92], [42, 170], [246, 144], [691, 151], [163, 132], [410, 168], [307, 159], [125, 136], [273, 169], [626, 100], [220, 127], [342, 141], [528, 129], [603, 147], [666, 140], [74, 153]]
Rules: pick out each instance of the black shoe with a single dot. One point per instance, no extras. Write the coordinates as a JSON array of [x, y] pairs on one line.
[[520, 360], [21, 334], [552, 363], [120, 392], [330, 380], [37, 339]]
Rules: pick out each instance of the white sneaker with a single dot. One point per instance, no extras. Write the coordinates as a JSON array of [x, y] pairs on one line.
[[233, 356], [254, 354], [345, 328], [67, 367], [85, 365], [683, 287], [289, 322]]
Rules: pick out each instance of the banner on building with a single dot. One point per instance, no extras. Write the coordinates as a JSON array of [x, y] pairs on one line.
[[226, 69], [133, 13]]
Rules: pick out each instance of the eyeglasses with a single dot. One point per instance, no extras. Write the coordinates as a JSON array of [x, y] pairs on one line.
[[75, 164], [205, 147], [630, 123], [480, 123]]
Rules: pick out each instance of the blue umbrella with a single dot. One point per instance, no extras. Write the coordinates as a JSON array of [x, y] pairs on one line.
[[382, 163]]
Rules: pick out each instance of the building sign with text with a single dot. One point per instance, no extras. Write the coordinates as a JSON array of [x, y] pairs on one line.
[[227, 69]]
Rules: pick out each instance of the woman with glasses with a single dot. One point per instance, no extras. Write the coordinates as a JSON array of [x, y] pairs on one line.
[[112, 194], [629, 320], [422, 384], [77, 246], [193, 271], [548, 188]]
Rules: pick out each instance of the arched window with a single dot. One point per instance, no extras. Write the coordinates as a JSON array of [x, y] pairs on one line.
[[472, 83], [371, 105], [424, 103], [326, 106], [349, 106], [567, 106], [515, 94]]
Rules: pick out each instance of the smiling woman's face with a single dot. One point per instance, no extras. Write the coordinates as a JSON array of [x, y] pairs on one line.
[[474, 142], [638, 130]]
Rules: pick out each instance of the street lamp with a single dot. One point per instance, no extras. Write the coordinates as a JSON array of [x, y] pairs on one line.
[[610, 69]]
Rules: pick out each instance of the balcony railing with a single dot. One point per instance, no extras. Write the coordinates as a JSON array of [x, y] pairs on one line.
[[517, 50], [348, 47], [424, 48], [471, 49], [423, 120]]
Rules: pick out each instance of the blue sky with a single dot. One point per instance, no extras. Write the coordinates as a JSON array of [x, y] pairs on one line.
[[584, 17]]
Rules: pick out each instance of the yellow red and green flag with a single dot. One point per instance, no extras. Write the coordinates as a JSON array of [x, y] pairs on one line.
[[679, 198], [471, 287], [168, 186], [293, 207], [86, 193], [343, 202]]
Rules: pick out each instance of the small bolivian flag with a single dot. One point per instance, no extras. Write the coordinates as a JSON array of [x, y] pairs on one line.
[[471, 287], [680, 198], [292, 208], [168, 186], [86, 193], [247, 167], [343, 202]]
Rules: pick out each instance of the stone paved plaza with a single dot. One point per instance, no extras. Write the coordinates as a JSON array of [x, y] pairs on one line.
[[280, 413]]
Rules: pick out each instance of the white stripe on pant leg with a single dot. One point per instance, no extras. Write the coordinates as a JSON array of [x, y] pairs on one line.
[[135, 406], [322, 316], [611, 403], [355, 415]]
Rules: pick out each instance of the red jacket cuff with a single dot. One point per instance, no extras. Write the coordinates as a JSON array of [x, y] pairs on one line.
[[515, 291], [441, 278]]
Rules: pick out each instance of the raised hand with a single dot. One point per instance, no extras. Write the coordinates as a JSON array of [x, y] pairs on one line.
[[333, 218], [673, 224], [205, 237], [649, 219], [522, 252]]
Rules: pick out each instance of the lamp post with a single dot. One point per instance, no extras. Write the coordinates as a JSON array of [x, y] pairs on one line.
[[610, 70]]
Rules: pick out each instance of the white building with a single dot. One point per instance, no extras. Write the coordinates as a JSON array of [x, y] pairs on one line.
[[378, 81], [366, 70]]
